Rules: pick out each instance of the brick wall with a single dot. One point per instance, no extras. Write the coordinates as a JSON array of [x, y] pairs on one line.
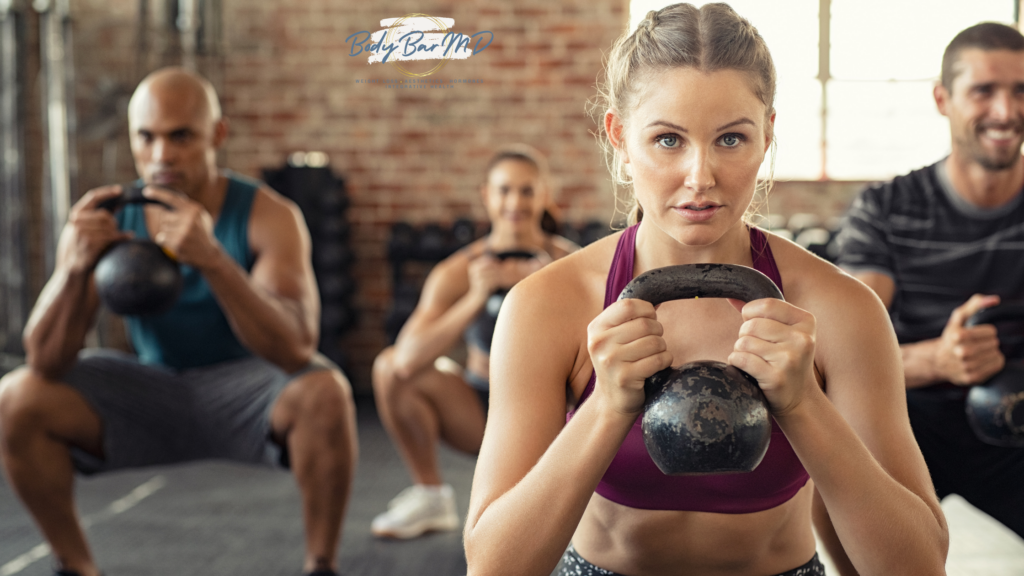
[[827, 199], [287, 83], [416, 154]]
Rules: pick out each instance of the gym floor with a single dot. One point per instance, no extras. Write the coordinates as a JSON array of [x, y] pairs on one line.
[[227, 519]]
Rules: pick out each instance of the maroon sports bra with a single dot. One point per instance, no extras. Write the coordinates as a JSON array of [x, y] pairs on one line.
[[634, 480]]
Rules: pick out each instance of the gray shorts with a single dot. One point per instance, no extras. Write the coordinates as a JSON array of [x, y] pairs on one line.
[[153, 415]]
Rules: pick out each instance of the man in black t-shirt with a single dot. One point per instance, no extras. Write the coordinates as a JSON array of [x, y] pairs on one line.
[[938, 245]]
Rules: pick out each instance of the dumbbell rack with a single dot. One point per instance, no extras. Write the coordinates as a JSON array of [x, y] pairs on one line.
[[322, 198]]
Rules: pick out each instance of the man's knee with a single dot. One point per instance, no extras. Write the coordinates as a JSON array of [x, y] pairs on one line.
[[19, 400], [326, 396], [30, 404]]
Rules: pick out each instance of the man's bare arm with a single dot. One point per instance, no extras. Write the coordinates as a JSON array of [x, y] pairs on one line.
[[67, 306], [963, 356]]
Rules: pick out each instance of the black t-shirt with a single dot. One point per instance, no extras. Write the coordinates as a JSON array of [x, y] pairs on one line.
[[938, 248]]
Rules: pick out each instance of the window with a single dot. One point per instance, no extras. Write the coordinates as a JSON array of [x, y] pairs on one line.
[[884, 58]]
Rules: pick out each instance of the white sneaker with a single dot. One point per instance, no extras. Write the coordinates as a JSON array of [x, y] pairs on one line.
[[416, 510]]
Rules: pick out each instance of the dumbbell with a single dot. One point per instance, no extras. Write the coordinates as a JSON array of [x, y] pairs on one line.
[[593, 231], [135, 277], [463, 232], [404, 302], [704, 417], [773, 222], [333, 228], [335, 286], [335, 318], [335, 202], [995, 409], [571, 233], [481, 331], [402, 243], [815, 240], [801, 221], [433, 244], [332, 256]]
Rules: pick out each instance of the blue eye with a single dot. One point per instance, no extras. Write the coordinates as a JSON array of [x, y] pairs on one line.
[[667, 140], [731, 140]]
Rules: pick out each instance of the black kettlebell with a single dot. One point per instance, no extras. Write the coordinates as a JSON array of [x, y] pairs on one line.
[[136, 277], [704, 417], [481, 331], [995, 409]]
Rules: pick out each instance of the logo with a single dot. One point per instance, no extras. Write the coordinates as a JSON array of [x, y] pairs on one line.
[[417, 37]]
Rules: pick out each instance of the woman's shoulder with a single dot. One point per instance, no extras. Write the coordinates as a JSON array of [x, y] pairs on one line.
[[456, 265]]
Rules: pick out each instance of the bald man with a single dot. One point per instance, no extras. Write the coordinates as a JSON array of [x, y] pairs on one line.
[[231, 371]]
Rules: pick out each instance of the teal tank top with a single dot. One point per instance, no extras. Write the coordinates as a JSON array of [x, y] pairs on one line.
[[195, 331]]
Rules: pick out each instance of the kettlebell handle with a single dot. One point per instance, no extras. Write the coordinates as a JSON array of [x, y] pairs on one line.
[[701, 281], [513, 254], [997, 313], [130, 194]]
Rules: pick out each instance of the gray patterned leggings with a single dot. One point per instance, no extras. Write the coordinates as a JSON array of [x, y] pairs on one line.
[[572, 564]]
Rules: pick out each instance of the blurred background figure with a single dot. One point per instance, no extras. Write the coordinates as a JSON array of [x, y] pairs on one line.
[[423, 396]]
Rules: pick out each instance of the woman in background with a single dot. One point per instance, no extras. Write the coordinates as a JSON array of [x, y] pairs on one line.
[[423, 396]]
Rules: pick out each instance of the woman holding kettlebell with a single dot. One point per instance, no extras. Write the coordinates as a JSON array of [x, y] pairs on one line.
[[423, 396], [688, 119]]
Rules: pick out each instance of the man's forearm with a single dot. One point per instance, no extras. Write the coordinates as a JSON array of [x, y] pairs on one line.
[[271, 327], [56, 329], [920, 366]]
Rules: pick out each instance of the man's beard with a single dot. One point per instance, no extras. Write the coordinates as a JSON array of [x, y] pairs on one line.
[[997, 165], [992, 162]]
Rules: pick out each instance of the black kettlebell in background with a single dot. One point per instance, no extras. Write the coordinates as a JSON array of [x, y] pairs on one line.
[[481, 331], [136, 277], [995, 409], [704, 417]]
